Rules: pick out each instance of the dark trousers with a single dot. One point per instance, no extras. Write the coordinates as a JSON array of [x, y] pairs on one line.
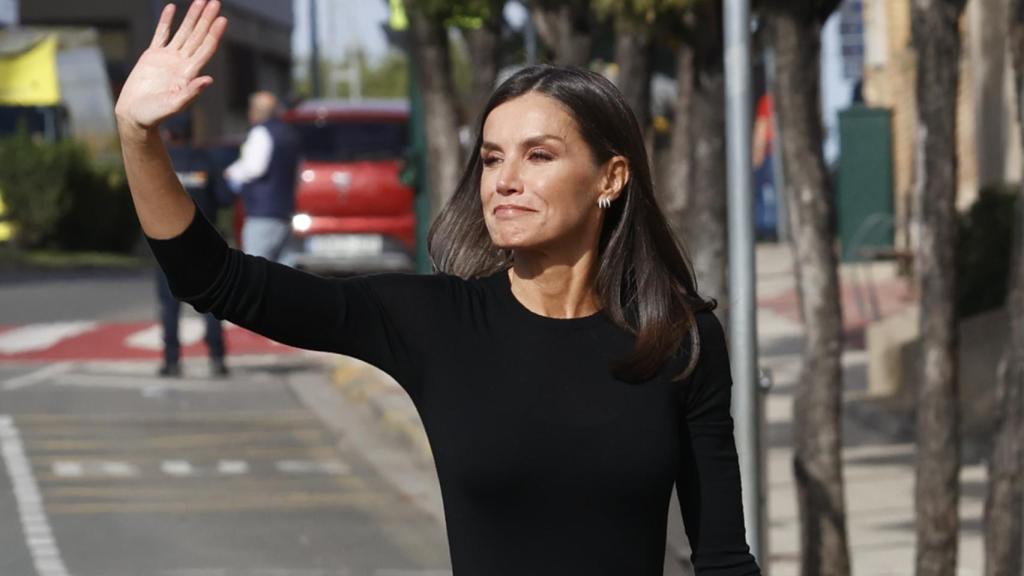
[[170, 310]]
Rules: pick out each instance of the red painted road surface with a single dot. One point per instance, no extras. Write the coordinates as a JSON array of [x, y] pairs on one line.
[[129, 341]]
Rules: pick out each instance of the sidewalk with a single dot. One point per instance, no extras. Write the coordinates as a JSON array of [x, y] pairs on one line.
[[878, 454], [878, 443]]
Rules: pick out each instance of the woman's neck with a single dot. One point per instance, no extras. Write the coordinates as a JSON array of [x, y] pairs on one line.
[[555, 289]]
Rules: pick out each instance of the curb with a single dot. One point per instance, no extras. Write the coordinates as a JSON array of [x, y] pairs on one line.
[[361, 383]]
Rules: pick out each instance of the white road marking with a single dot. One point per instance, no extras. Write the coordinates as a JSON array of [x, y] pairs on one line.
[[386, 572], [41, 543], [184, 469], [33, 337], [309, 467], [37, 376], [178, 468], [119, 469], [149, 385], [190, 331], [68, 469], [232, 467]]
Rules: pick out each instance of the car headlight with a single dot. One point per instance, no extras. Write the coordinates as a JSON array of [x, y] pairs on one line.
[[301, 222]]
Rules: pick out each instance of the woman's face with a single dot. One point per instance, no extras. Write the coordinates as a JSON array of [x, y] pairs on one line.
[[540, 183]]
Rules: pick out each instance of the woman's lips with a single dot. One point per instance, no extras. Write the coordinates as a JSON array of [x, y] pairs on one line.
[[510, 211]]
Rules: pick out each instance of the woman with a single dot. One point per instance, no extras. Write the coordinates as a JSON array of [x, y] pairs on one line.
[[566, 371]]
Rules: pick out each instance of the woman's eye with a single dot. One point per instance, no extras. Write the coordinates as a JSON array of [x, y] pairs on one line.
[[489, 160], [540, 155]]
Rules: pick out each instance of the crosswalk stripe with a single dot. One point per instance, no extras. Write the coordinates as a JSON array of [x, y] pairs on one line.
[[40, 336], [190, 331]]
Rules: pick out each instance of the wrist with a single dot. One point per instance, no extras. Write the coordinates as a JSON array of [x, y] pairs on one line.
[[132, 130]]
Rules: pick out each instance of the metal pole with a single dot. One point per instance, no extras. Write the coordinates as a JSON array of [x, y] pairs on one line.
[[314, 50], [742, 311], [530, 37]]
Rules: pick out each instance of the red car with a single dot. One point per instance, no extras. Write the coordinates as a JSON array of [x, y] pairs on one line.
[[353, 213]]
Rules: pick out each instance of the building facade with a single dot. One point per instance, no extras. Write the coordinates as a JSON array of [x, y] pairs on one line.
[[988, 143], [8, 13], [254, 55]]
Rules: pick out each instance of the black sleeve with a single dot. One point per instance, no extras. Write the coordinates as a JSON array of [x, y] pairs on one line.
[[709, 479], [373, 318]]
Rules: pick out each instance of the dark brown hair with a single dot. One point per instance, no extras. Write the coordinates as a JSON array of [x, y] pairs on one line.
[[644, 279]]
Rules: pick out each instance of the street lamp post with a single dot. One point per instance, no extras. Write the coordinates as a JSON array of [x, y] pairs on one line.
[[742, 315], [314, 50]]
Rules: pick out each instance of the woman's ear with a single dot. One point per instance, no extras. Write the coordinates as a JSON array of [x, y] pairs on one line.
[[616, 176]]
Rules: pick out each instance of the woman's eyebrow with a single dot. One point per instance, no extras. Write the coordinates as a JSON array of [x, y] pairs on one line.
[[531, 141]]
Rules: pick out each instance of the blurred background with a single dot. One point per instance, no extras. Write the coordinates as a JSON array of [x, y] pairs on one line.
[[885, 171]]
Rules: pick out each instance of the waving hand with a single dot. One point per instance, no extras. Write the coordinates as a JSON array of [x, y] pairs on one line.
[[166, 78]]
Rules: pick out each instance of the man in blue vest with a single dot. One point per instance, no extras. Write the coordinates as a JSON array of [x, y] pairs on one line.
[[265, 174], [195, 170]]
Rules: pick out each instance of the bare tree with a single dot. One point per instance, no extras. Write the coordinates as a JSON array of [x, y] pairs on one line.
[[794, 29], [633, 59], [428, 43], [674, 194], [1003, 502], [936, 36], [705, 228], [564, 26], [484, 43]]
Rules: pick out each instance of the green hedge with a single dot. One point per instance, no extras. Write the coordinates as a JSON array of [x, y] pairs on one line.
[[59, 198], [983, 250]]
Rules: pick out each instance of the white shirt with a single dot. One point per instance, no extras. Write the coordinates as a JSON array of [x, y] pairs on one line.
[[254, 158]]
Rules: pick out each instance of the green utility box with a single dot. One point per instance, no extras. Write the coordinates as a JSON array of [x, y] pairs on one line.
[[865, 182]]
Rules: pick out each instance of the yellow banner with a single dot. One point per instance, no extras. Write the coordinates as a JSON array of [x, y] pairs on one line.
[[30, 78]]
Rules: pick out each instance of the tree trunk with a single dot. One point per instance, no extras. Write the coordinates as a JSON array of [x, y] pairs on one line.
[[1004, 499], [565, 28], [936, 34], [428, 42], [675, 194], [706, 231], [632, 55], [484, 44], [795, 32]]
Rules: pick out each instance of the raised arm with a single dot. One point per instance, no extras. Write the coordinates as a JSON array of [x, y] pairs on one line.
[[164, 82], [377, 319]]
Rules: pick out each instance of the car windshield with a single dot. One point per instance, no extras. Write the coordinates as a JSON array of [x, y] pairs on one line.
[[351, 141]]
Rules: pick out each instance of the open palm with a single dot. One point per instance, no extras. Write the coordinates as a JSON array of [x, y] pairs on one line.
[[166, 78]]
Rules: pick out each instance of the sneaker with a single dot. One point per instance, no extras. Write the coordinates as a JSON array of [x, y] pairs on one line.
[[169, 370], [218, 368]]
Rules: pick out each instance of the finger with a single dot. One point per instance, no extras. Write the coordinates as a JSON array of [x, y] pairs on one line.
[[193, 90], [202, 27], [209, 45], [187, 24], [163, 27]]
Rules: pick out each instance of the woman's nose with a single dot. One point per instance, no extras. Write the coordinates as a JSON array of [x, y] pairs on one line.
[[508, 179]]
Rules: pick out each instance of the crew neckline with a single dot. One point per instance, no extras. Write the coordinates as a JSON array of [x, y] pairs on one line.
[[504, 283]]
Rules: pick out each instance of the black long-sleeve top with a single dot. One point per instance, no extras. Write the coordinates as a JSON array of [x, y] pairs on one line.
[[548, 465]]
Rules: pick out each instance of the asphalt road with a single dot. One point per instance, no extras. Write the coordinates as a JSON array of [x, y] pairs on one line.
[[107, 470]]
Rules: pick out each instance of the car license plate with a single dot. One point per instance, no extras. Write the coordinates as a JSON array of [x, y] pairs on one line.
[[345, 245]]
